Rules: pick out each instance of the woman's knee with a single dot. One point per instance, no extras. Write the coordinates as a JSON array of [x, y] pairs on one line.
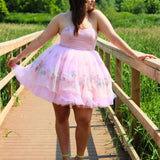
[[61, 113], [83, 117], [83, 121]]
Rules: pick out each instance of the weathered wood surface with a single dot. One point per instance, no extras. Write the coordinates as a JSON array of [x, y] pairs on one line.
[[11, 45], [132, 152], [7, 108], [33, 121], [151, 128], [149, 67]]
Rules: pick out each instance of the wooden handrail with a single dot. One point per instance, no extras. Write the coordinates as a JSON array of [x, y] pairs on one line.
[[11, 45], [149, 67], [7, 48]]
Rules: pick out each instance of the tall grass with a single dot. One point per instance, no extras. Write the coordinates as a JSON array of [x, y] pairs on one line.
[[123, 19], [40, 18], [145, 40], [12, 31], [8, 32]]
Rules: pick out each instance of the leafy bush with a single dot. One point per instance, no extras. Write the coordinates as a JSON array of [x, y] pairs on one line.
[[62, 4], [138, 6], [118, 5], [3, 10], [33, 6], [152, 6], [133, 6]]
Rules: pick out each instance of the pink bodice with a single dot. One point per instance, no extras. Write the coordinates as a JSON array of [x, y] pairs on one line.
[[86, 40]]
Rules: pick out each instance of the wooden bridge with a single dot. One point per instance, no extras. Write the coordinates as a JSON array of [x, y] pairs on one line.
[[27, 132]]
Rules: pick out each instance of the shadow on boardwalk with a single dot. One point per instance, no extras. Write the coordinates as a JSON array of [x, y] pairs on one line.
[[92, 152], [33, 120]]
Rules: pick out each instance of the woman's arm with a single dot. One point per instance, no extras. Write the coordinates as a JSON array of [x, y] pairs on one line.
[[106, 28], [51, 30]]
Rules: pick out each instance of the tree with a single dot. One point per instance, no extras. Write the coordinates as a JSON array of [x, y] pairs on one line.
[[118, 5], [62, 4], [13, 5], [33, 6], [3, 10], [102, 4], [153, 6], [111, 3], [133, 6]]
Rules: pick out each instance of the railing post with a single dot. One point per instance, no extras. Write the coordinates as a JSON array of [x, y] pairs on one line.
[[103, 110], [9, 85], [135, 86], [96, 48], [23, 47], [118, 79], [101, 53], [135, 95], [108, 61], [18, 52]]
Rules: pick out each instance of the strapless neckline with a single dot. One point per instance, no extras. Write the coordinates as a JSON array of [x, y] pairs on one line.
[[86, 39], [84, 28]]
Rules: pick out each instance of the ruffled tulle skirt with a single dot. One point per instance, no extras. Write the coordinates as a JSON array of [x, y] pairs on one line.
[[68, 76]]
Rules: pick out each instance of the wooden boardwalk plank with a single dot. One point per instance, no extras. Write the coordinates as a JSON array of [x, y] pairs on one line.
[[35, 138]]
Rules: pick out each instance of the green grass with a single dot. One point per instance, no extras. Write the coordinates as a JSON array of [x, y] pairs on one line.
[[41, 18], [145, 40], [12, 31], [8, 32], [125, 19]]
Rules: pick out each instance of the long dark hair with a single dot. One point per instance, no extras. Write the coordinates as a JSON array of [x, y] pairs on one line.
[[78, 9]]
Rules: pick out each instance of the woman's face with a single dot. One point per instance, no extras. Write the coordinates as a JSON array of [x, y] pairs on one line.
[[90, 4]]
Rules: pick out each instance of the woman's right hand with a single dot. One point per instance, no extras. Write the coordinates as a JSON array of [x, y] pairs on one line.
[[12, 62]]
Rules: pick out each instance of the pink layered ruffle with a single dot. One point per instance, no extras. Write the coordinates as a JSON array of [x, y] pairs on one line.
[[68, 76]]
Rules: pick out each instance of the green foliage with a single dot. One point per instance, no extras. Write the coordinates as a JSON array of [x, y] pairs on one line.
[[63, 5], [145, 39], [33, 6], [118, 5], [57, 6], [104, 4], [13, 5], [133, 6], [138, 6], [3, 10], [152, 6], [126, 19], [13, 31], [9, 132], [37, 18]]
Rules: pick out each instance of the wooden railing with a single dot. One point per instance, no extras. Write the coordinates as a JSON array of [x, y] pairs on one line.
[[7, 48], [151, 68]]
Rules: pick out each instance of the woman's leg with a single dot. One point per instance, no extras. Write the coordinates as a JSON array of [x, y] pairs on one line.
[[83, 118], [62, 127]]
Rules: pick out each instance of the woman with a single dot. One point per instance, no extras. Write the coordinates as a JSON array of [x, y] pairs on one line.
[[72, 73]]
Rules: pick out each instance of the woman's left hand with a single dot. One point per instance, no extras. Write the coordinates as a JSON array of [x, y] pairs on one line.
[[141, 58]]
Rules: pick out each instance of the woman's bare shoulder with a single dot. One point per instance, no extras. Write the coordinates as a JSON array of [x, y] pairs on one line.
[[62, 17], [97, 13], [59, 16]]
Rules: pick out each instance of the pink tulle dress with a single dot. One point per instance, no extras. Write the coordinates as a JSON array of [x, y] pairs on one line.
[[70, 72]]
